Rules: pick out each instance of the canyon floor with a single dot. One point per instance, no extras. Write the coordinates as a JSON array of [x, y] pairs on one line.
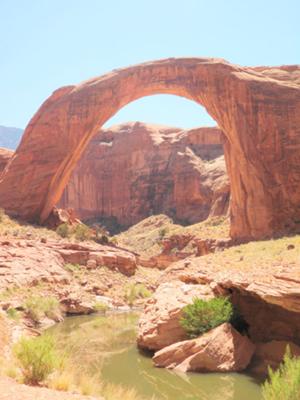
[[85, 277]]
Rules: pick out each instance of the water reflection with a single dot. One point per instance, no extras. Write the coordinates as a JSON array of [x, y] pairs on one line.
[[106, 347]]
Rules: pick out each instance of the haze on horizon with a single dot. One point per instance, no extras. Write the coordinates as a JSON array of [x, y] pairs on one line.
[[48, 44]]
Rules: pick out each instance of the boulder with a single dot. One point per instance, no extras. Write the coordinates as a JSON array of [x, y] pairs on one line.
[[222, 349], [159, 324]]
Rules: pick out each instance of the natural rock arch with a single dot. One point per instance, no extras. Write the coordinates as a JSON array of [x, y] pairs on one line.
[[258, 110]]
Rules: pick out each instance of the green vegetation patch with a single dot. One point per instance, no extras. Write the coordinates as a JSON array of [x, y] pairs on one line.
[[37, 358], [284, 383], [204, 315], [38, 307]]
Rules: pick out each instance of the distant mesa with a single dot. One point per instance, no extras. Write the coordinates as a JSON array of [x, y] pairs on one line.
[[10, 137]]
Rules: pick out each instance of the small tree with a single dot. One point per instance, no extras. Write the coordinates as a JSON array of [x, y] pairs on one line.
[[204, 315]]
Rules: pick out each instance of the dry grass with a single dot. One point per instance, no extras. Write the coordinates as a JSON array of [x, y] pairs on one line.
[[12, 227], [257, 255], [146, 236]]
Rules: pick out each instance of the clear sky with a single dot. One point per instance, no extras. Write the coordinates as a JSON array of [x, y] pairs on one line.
[[45, 44]]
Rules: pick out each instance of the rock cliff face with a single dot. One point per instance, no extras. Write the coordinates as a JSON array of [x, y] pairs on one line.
[[5, 156], [258, 109], [134, 170]]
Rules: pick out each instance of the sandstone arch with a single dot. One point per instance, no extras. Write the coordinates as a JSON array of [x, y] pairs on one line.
[[258, 110]]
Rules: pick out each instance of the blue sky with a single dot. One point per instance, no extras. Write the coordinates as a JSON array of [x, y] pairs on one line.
[[45, 44]]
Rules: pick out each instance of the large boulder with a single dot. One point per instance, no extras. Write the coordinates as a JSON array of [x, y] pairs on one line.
[[159, 324], [222, 349]]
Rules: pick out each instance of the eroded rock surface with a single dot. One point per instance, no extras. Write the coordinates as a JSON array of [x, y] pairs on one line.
[[27, 262], [268, 296], [222, 349], [159, 324]]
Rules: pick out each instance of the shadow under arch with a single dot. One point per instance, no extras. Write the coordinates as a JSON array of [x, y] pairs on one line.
[[232, 95]]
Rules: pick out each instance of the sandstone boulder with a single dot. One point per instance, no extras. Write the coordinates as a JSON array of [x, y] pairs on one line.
[[222, 349], [159, 324]]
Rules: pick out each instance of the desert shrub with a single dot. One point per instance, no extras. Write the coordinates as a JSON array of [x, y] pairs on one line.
[[99, 306], [62, 380], [204, 315], [37, 358], [82, 232], [13, 314], [134, 292], [63, 230], [284, 383], [38, 307]]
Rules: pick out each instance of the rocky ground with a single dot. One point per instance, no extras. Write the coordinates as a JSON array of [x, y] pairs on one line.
[[158, 241], [261, 278], [9, 390]]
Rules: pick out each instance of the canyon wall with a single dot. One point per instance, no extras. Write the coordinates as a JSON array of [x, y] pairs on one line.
[[134, 170]]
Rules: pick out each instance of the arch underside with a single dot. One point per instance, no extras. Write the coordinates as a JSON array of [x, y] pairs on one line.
[[258, 110]]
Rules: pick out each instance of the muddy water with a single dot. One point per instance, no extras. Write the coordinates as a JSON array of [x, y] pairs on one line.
[[105, 347]]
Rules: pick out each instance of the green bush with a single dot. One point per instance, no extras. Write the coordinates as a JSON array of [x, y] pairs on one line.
[[37, 358], [82, 232], [284, 383], [204, 315], [38, 307], [63, 230], [13, 314]]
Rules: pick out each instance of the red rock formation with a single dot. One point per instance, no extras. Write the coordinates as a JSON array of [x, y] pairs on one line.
[[24, 262], [266, 296], [258, 109], [159, 324], [222, 349], [133, 170], [5, 156]]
